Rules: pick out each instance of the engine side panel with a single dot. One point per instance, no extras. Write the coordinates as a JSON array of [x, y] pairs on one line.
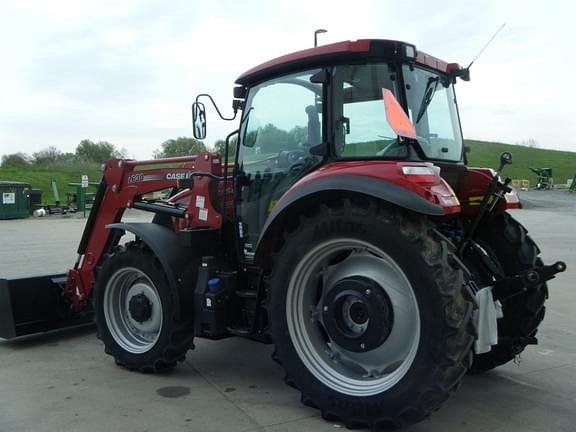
[[472, 188]]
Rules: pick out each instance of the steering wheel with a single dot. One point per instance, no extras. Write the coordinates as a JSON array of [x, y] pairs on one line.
[[390, 148], [291, 158]]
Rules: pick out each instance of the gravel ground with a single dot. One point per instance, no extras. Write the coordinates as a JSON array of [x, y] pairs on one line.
[[559, 200], [64, 381]]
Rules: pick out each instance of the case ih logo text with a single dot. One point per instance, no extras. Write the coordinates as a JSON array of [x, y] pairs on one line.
[[179, 175]]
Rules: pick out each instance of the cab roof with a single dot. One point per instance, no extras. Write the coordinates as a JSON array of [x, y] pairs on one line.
[[341, 53]]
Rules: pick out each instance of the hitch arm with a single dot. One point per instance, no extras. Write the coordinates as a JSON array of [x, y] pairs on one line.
[[511, 286]]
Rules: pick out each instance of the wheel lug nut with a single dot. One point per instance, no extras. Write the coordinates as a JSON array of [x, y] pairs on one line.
[[362, 346], [367, 292], [325, 308]]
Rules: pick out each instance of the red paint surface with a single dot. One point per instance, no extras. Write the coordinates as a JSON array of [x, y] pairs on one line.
[[359, 46], [430, 187], [124, 185], [474, 185]]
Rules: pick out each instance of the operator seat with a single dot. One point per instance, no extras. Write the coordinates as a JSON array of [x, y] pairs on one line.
[[314, 132]]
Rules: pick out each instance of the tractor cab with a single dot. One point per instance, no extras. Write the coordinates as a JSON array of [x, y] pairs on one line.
[[368, 100], [332, 99]]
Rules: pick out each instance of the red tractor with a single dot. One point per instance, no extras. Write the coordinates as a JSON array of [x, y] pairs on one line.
[[344, 227]]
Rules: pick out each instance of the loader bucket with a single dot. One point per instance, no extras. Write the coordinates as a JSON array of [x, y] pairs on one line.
[[36, 305]]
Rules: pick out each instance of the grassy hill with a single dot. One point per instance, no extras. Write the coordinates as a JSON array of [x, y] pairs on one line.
[[483, 154], [487, 154], [40, 177]]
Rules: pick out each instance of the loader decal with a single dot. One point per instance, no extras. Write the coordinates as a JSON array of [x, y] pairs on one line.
[[135, 178], [141, 177], [179, 175]]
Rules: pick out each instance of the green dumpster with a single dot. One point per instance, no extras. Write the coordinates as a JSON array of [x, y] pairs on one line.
[[14, 200]]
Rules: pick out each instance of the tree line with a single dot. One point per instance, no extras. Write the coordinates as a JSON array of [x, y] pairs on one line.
[[269, 138], [89, 151], [86, 151]]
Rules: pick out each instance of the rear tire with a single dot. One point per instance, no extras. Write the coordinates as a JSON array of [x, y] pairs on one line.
[[370, 315], [513, 250], [135, 311]]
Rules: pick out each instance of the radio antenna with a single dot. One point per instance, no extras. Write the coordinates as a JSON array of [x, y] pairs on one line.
[[316, 33], [486, 46]]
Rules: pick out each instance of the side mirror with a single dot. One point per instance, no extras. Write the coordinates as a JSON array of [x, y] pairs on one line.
[[199, 120], [505, 158]]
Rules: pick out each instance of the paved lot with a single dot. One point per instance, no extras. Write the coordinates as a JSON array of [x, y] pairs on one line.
[[65, 382]]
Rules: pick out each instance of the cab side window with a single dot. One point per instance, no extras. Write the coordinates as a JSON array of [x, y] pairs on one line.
[[284, 121]]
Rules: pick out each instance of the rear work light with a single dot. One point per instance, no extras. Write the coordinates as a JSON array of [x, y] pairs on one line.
[[436, 190], [420, 170], [424, 174]]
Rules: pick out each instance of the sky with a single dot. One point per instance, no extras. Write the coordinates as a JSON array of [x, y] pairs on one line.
[[127, 71]]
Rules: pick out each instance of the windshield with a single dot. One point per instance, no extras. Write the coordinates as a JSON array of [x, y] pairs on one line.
[[432, 109]]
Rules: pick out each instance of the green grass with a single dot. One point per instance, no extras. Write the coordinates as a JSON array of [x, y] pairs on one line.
[[483, 154], [40, 177], [487, 154]]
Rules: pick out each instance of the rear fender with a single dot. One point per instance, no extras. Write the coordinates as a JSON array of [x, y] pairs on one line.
[[173, 257], [312, 192]]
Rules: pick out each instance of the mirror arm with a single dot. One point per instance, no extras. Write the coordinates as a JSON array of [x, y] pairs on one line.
[[216, 107]]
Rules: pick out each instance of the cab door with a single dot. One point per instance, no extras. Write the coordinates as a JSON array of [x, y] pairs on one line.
[[283, 123]]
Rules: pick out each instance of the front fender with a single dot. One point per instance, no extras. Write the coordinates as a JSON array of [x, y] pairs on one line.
[[164, 243]]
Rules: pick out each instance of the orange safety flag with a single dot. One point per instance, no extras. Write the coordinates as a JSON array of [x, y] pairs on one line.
[[396, 116]]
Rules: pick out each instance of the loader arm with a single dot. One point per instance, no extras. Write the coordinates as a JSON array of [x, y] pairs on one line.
[[123, 185], [43, 303]]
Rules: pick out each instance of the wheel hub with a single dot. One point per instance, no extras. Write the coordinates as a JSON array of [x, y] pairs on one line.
[[140, 308], [335, 275], [357, 314], [133, 310]]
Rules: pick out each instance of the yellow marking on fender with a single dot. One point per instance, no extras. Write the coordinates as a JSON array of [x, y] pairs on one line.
[[477, 200]]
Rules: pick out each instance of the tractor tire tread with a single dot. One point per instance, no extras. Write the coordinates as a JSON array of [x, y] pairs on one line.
[[181, 336], [455, 355], [523, 313]]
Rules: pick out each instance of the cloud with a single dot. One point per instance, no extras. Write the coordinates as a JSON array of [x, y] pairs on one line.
[[128, 71]]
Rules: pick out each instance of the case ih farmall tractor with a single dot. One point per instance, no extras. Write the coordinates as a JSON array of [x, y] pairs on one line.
[[348, 232]]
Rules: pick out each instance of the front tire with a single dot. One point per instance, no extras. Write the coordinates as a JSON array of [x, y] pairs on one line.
[[135, 311], [370, 315]]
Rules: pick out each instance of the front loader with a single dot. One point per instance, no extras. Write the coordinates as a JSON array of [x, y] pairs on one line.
[[344, 227]]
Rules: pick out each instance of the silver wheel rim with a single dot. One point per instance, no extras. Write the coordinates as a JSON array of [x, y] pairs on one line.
[[133, 336], [352, 373]]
